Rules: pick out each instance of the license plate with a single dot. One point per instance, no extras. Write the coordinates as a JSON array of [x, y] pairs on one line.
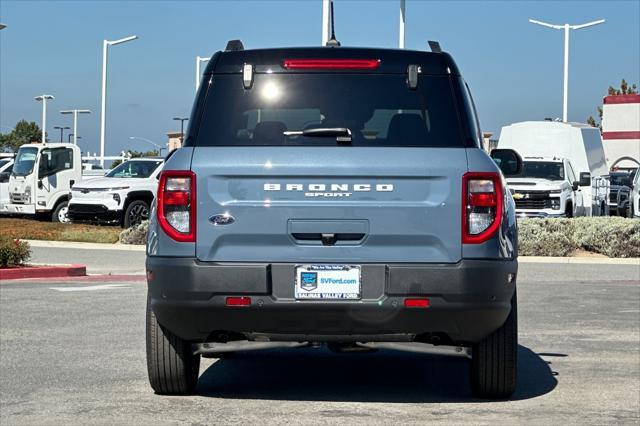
[[328, 282]]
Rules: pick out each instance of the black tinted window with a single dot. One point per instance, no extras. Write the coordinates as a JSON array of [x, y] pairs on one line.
[[379, 109], [543, 170]]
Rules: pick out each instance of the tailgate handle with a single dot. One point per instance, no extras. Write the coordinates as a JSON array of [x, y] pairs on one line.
[[327, 239]]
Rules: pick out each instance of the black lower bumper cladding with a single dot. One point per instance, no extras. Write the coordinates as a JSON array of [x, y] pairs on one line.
[[467, 301]]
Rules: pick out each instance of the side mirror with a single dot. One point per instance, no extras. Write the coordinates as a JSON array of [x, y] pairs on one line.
[[575, 185], [4, 177], [508, 160], [585, 179], [40, 186]]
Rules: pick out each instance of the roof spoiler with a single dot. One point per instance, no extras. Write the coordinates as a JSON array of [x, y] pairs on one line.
[[434, 46], [234, 45]]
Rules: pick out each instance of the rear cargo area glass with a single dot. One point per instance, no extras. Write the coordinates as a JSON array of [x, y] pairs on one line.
[[379, 109]]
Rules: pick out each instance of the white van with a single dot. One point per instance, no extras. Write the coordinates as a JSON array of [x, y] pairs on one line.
[[580, 143]]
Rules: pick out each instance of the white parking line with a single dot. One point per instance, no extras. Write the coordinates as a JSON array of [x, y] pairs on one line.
[[92, 287]]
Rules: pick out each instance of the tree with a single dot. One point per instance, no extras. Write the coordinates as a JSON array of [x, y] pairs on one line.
[[137, 154], [624, 89], [23, 133]]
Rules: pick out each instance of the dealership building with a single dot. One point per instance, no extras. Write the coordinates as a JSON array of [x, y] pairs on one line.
[[621, 131]]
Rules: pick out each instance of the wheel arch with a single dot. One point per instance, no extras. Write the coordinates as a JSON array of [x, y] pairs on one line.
[[143, 195]]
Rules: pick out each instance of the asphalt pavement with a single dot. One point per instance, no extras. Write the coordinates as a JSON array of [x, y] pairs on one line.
[[73, 353]]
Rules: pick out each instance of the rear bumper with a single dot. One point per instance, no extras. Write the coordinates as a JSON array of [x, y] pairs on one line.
[[81, 212], [468, 300]]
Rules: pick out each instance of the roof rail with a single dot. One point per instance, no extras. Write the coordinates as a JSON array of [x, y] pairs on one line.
[[434, 46], [234, 45]]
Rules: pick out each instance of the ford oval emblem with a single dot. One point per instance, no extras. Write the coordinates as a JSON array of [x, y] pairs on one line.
[[222, 219]]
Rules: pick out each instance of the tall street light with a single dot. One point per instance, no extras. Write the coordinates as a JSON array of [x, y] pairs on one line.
[[326, 4], [566, 28], [103, 110], [160, 147], [2, 26], [75, 113], [181, 120], [199, 60], [62, 129], [44, 99], [402, 21]]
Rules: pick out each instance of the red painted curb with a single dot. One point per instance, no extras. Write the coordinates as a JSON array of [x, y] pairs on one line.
[[43, 272]]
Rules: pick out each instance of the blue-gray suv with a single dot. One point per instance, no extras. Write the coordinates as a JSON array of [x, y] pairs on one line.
[[333, 196]]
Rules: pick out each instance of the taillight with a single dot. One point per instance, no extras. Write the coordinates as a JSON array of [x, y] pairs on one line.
[[331, 64], [177, 204], [481, 206]]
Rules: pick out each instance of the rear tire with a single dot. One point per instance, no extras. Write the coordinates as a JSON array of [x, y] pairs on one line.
[[173, 369], [494, 361]]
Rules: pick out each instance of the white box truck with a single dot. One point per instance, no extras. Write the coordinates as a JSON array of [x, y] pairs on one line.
[[41, 178], [579, 143]]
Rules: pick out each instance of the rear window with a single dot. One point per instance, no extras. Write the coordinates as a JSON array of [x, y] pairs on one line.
[[379, 109]]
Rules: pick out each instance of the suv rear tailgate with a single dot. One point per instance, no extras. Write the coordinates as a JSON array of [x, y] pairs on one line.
[[372, 204]]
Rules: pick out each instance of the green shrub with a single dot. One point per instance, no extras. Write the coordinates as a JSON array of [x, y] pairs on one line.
[[136, 234], [610, 236], [13, 252]]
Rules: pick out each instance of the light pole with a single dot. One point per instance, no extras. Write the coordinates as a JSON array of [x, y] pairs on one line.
[[181, 120], [44, 99], [326, 5], [75, 138], [566, 28], [62, 129], [160, 147], [75, 113], [2, 26], [402, 21], [103, 109], [199, 60]]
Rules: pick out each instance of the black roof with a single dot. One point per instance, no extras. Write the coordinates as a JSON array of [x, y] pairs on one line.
[[392, 61]]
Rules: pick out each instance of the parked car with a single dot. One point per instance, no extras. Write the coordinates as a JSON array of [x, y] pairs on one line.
[[620, 192], [333, 195], [547, 187], [124, 195], [579, 143], [634, 205], [6, 165], [41, 178]]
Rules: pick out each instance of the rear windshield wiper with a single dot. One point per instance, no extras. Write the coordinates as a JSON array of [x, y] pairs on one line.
[[342, 134]]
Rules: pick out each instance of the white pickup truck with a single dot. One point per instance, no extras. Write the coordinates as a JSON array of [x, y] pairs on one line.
[[123, 195], [41, 178], [547, 187]]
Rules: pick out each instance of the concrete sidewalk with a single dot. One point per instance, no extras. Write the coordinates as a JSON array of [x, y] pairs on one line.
[[141, 249]]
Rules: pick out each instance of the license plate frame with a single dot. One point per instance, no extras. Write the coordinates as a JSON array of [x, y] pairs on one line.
[[332, 282]]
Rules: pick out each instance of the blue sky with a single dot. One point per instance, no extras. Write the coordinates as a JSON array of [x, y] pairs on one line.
[[514, 68]]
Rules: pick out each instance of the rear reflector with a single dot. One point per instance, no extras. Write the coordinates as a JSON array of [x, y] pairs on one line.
[[238, 301], [331, 64], [416, 303]]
